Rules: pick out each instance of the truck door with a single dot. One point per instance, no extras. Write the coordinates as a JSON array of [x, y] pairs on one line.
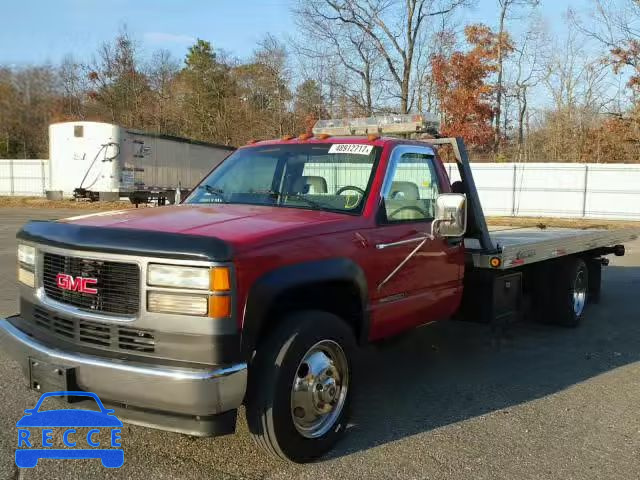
[[417, 280]]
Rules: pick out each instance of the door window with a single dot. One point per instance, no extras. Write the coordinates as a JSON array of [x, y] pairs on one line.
[[411, 189]]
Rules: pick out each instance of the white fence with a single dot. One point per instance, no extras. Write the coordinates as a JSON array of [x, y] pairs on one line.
[[24, 177], [558, 189], [520, 189]]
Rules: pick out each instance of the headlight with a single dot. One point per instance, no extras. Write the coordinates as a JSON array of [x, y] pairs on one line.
[[214, 282], [26, 277], [26, 265], [27, 256], [177, 276], [177, 303]]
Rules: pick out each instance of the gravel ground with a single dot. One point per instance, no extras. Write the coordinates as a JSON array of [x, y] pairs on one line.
[[442, 402]]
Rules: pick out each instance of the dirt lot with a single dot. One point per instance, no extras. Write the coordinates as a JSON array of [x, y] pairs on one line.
[[442, 402]]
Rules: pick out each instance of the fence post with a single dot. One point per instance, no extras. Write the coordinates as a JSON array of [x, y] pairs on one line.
[[586, 184], [11, 179], [513, 196], [44, 180]]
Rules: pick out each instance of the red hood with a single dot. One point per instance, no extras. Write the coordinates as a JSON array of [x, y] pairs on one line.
[[240, 225]]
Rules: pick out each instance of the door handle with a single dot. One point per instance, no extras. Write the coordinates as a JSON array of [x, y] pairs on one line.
[[381, 246]]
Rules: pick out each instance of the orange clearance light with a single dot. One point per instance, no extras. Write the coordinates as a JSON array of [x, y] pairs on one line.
[[305, 136], [219, 306], [220, 279], [286, 138], [252, 141], [323, 136], [495, 262], [373, 137]]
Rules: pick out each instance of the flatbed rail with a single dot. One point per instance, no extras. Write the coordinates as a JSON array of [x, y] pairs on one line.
[[517, 247]]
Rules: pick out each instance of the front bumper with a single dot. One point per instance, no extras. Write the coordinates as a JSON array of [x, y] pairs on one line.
[[186, 400]]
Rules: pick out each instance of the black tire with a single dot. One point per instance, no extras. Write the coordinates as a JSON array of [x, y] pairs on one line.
[[595, 279], [573, 276], [271, 376], [540, 292]]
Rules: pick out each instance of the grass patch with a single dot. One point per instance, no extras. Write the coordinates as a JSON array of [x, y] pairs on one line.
[[547, 222], [41, 202]]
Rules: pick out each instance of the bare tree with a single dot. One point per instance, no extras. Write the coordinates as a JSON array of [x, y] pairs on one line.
[[617, 28], [347, 54], [119, 83], [74, 85], [162, 72], [505, 7], [577, 84], [393, 28], [531, 54]]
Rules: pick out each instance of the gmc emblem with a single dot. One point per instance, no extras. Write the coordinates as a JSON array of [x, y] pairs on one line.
[[77, 284]]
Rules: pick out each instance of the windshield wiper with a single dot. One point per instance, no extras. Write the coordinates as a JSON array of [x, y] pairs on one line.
[[218, 192], [299, 196]]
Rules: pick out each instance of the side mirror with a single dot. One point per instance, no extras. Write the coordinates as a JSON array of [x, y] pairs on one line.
[[451, 215]]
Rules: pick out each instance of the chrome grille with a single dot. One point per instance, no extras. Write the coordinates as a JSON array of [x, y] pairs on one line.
[[118, 284], [94, 334]]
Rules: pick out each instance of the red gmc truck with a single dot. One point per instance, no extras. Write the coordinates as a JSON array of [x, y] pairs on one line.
[[258, 289]]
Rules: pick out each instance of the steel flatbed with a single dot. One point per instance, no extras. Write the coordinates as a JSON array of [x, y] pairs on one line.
[[522, 246]]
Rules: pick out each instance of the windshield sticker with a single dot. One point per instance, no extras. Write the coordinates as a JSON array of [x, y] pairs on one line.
[[351, 148]]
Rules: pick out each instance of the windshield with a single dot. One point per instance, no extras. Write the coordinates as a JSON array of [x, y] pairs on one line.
[[315, 176]]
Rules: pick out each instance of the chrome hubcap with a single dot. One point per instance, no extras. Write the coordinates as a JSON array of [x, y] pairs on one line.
[[319, 389], [579, 292]]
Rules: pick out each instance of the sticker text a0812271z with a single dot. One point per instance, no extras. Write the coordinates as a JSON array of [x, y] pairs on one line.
[[351, 148]]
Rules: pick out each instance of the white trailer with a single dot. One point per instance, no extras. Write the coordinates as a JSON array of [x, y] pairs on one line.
[[102, 161]]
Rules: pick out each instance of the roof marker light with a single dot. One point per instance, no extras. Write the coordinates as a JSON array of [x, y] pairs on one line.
[[384, 124]]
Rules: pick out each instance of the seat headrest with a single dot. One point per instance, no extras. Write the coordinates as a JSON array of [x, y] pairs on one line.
[[404, 190], [310, 184]]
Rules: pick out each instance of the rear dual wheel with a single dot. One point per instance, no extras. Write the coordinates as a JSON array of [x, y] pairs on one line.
[[570, 287], [300, 384]]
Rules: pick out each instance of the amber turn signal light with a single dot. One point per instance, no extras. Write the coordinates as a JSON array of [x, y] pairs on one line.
[[219, 306], [220, 279]]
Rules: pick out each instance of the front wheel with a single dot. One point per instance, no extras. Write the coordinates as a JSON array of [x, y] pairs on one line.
[[300, 384]]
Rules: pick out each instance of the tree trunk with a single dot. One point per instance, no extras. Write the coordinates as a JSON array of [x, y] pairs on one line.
[[367, 90], [521, 114], [503, 13], [404, 92]]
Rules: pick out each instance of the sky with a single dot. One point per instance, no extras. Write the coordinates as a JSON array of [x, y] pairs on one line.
[[41, 31]]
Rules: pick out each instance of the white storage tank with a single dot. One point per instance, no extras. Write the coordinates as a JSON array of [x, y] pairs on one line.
[[104, 161]]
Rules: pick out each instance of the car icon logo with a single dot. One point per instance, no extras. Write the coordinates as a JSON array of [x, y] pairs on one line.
[[36, 444]]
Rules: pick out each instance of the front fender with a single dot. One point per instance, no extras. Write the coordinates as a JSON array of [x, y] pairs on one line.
[[266, 289]]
